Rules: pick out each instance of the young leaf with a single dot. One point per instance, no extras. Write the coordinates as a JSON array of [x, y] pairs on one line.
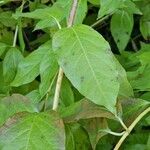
[[16, 103], [10, 64], [121, 28], [28, 68], [88, 63], [33, 131]]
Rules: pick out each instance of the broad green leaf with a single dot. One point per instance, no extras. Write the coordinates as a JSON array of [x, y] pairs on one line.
[[80, 11], [14, 104], [121, 35], [3, 47], [10, 64], [33, 131], [66, 94], [48, 70], [84, 109], [29, 68], [88, 63], [109, 7]]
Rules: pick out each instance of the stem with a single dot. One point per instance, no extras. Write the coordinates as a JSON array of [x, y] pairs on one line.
[[99, 21], [17, 27], [131, 128], [122, 123], [57, 90], [72, 13], [112, 133], [60, 74], [15, 36]]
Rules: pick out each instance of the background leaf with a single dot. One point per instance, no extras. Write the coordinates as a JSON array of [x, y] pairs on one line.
[[121, 35], [10, 64], [28, 69]]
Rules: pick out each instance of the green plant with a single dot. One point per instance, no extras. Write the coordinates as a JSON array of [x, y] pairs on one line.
[[74, 74]]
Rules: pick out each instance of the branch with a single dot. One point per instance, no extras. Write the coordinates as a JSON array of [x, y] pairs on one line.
[[60, 74], [131, 128]]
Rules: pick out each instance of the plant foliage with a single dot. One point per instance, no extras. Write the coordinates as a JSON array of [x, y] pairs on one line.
[[74, 74]]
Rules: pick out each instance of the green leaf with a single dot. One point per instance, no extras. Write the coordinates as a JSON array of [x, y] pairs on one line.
[[79, 138], [29, 68], [88, 63], [33, 131], [34, 96], [3, 47], [109, 7], [145, 19], [51, 13], [121, 35], [132, 108], [84, 109], [93, 127], [10, 64], [125, 89], [66, 94], [139, 78], [6, 36], [48, 70], [16, 103], [131, 8], [4, 89], [145, 28], [7, 19]]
